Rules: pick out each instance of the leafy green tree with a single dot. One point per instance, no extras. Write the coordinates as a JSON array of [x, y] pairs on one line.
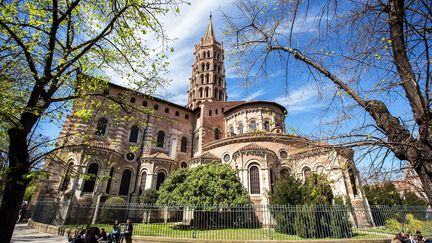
[[149, 196], [299, 208], [211, 184], [411, 199], [289, 190], [385, 194], [45, 45]]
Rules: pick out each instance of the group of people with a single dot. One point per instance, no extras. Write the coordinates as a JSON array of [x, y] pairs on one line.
[[94, 235], [406, 238]]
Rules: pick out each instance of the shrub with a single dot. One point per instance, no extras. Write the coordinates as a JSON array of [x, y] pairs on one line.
[[149, 196], [317, 218], [411, 225], [211, 184], [110, 210]]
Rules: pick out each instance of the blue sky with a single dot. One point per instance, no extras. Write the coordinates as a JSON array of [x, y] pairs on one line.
[[304, 101]]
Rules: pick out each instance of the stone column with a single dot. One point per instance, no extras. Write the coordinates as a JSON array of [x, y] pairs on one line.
[[173, 149], [149, 181]]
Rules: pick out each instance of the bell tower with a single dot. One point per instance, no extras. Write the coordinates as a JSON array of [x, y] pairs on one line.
[[208, 72]]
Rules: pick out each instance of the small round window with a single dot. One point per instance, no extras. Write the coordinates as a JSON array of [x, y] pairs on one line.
[[183, 165], [226, 158], [130, 156], [283, 154]]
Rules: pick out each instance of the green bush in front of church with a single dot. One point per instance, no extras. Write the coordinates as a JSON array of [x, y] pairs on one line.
[[206, 188], [211, 184], [305, 209], [111, 211]]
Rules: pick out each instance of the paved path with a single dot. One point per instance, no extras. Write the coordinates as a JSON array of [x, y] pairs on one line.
[[24, 234]]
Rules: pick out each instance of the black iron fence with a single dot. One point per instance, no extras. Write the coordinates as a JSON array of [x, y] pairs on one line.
[[242, 222]]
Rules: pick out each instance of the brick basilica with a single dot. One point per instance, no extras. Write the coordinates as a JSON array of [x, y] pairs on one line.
[[250, 136]]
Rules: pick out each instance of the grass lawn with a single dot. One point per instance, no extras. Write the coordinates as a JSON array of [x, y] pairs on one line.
[[170, 230]]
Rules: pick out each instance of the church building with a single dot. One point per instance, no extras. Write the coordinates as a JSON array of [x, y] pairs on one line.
[[250, 136]]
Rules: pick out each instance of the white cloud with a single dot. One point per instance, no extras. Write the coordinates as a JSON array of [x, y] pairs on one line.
[[254, 95], [303, 99], [185, 29]]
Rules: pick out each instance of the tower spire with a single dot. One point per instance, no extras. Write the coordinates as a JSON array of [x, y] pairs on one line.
[[209, 33], [207, 83]]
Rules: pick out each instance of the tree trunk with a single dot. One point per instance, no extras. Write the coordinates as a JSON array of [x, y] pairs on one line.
[[425, 174], [16, 182]]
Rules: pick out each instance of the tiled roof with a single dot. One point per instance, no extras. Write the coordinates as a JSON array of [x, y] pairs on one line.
[[208, 155], [253, 146], [159, 155]]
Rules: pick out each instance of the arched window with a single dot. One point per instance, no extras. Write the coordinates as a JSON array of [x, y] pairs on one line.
[[240, 128], [111, 174], [252, 126], [307, 173], [208, 53], [217, 133], [202, 78], [183, 147], [133, 136], [204, 54], [254, 180], [143, 182], [202, 67], [201, 92], [221, 95], [207, 66], [183, 165], [67, 176], [160, 180], [215, 94], [267, 126], [90, 182], [101, 127], [283, 154], [125, 182], [207, 91], [160, 139]]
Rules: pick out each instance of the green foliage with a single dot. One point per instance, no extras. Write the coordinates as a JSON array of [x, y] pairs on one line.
[[109, 212], [385, 194], [149, 196], [411, 226], [411, 199], [292, 191], [313, 217], [212, 184], [29, 191], [288, 191]]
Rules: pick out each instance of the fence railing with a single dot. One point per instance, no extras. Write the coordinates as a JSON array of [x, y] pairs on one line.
[[248, 222]]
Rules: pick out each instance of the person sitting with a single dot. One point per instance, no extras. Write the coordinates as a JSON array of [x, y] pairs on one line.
[[78, 238], [419, 237], [91, 235], [114, 236], [127, 233], [102, 237]]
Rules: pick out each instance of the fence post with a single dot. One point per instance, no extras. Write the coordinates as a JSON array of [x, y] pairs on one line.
[[269, 221]]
